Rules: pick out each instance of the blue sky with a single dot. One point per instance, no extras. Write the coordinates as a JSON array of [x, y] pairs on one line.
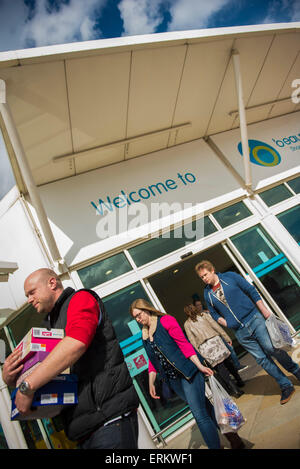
[[33, 23]]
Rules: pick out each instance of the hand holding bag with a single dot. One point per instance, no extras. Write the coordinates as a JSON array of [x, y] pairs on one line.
[[227, 413], [279, 333]]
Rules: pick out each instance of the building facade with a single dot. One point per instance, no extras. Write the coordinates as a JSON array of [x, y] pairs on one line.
[[135, 225]]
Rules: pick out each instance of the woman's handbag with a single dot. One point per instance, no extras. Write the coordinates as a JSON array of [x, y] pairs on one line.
[[214, 350], [279, 333], [228, 415]]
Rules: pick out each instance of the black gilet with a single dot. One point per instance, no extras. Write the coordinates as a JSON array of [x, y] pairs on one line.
[[105, 388]]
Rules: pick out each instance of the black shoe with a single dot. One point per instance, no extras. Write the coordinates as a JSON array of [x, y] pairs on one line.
[[234, 390], [235, 441], [286, 394], [240, 383], [297, 374], [237, 394]]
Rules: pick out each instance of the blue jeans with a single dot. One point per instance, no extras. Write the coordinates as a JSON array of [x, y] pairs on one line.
[[254, 337], [193, 392], [122, 434], [233, 354]]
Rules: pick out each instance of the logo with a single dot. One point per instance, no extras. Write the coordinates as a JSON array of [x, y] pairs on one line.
[[261, 153]]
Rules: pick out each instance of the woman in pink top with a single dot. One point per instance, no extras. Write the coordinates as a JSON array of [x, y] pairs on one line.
[[174, 357]]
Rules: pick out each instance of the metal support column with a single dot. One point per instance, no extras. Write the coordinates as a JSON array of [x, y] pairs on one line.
[[27, 175], [243, 122]]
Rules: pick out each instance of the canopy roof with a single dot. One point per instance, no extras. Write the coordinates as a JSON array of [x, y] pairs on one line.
[[87, 105]]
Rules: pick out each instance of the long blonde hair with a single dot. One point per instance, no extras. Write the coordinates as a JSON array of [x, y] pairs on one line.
[[140, 303]]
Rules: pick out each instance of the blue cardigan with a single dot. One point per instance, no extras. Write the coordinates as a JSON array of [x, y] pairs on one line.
[[240, 295], [168, 347]]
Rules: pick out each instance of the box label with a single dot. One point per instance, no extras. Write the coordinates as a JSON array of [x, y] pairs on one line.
[[49, 398]]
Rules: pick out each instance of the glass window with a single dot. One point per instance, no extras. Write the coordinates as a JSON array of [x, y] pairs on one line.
[[229, 215], [171, 241], [19, 326], [105, 270], [273, 269], [3, 444], [275, 195], [169, 407], [295, 184], [7, 347], [7, 180], [117, 306], [291, 221]]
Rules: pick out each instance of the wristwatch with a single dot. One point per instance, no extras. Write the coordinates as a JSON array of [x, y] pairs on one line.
[[25, 388]]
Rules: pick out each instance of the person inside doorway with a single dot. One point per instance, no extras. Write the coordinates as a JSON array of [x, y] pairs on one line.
[[206, 335], [174, 357], [198, 305], [233, 302]]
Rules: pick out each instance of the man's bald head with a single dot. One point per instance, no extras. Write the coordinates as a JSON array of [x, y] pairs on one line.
[[43, 287]]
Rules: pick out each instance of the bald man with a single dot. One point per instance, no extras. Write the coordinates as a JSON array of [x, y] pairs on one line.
[[106, 396]]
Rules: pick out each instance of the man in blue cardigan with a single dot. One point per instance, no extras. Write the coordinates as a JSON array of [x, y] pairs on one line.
[[233, 302]]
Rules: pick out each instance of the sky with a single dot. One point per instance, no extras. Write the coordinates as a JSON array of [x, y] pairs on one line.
[[34, 23]]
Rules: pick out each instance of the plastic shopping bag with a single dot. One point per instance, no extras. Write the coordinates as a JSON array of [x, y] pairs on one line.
[[279, 333], [227, 413]]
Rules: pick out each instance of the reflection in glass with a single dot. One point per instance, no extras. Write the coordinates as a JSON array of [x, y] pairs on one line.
[[295, 184], [273, 269], [291, 221], [117, 306], [24, 322], [161, 412], [232, 214], [172, 240], [104, 270], [275, 195]]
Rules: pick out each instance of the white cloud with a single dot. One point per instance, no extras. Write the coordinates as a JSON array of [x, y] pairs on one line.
[[295, 13], [144, 16], [12, 21], [278, 9], [140, 16], [72, 21], [193, 14]]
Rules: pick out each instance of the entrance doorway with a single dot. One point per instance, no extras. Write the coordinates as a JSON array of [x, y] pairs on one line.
[[178, 285]]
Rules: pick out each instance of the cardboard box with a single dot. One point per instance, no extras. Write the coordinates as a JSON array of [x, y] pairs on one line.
[[39, 339], [50, 399], [31, 363]]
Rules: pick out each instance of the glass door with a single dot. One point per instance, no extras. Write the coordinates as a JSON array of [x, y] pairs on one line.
[[272, 268], [160, 412]]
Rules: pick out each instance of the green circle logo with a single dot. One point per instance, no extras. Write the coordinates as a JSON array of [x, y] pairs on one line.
[[261, 153]]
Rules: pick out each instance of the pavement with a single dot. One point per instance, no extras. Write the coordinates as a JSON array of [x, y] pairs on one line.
[[269, 425]]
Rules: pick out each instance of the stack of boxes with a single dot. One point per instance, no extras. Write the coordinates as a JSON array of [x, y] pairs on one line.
[[49, 400]]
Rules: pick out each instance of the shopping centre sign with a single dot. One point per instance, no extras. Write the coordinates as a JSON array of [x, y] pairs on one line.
[[108, 203]]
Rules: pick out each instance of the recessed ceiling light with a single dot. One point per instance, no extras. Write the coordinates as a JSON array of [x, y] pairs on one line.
[[108, 272], [175, 271]]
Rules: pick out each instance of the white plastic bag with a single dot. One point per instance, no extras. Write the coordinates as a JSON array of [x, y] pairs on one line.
[[227, 413], [279, 333]]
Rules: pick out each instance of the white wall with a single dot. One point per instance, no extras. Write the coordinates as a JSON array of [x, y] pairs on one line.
[[281, 133], [17, 244], [75, 221]]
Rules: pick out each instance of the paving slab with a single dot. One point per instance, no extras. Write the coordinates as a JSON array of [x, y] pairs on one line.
[[269, 425]]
